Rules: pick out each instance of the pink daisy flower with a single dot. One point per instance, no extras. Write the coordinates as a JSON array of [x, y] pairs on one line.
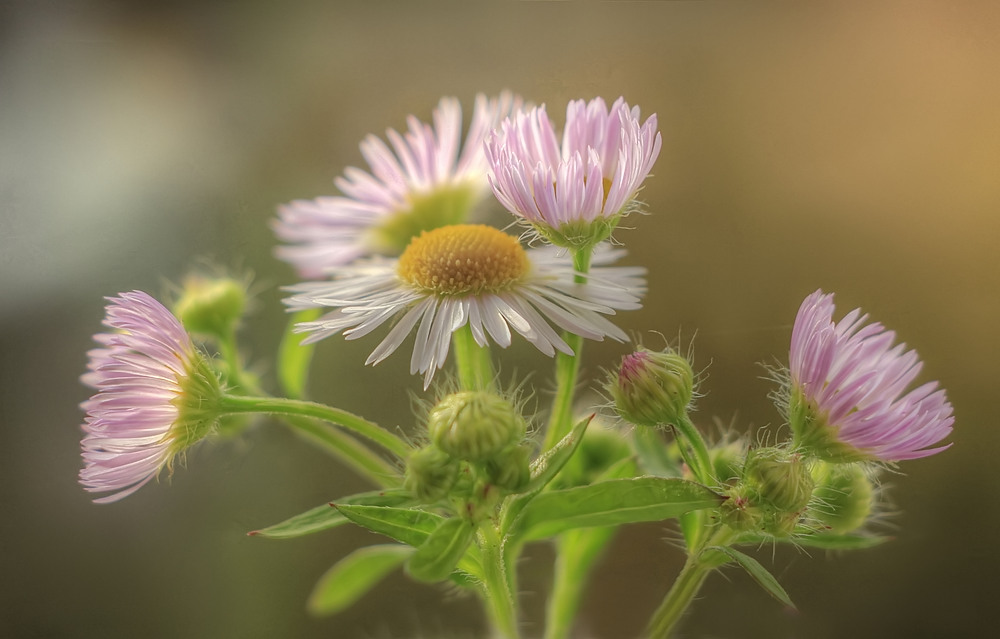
[[156, 395], [847, 384], [574, 194], [428, 179]]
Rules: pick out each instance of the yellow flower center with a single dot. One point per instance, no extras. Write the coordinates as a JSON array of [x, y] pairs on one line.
[[463, 259]]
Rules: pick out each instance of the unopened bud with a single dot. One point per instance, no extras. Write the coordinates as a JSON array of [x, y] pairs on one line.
[[430, 474], [780, 480], [474, 425], [510, 468], [211, 306], [844, 496], [652, 387]]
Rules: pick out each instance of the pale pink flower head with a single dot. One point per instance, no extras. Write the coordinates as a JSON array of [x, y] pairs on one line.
[[427, 179], [847, 384], [156, 396], [573, 194]]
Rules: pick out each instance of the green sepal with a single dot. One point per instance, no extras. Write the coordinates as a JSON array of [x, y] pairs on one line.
[[759, 573], [544, 469], [612, 503], [294, 357], [408, 526], [353, 576], [440, 554], [327, 516]]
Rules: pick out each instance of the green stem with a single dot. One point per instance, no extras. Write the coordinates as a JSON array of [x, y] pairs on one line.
[[700, 463], [232, 404], [231, 356], [475, 370], [696, 569], [348, 450], [500, 600], [567, 367]]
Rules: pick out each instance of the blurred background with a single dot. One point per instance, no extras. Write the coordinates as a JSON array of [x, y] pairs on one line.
[[850, 147]]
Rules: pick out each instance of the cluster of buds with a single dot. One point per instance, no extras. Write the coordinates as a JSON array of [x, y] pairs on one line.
[[476, 453]]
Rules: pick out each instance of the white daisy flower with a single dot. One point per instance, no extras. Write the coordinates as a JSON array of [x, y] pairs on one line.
[[472, 275], [429, 178]]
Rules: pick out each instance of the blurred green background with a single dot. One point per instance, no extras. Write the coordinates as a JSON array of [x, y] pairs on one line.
[[853, 147]]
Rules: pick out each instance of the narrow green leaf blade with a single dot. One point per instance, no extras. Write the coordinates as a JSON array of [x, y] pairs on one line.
[[612, 503], [441, 553], [353, 576], [759, 573], [405, 525], [294, 357], [544, 469], [325, 517], [839, 542]]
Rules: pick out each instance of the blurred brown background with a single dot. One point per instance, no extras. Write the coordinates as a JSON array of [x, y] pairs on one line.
[[850, 147]]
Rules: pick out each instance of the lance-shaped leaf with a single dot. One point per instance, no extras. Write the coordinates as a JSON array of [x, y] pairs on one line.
[[353, 576], [408, 526], [759, 573], [612, 503], [327, 516], [441, 553], [294, 357], [544, 469], [838, 542]]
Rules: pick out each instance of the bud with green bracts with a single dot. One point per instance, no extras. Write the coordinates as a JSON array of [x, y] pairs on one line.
[[474, 425], [430, 474], [652, 387]]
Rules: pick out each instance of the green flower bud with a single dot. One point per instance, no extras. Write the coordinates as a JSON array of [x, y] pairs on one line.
[[510, 469], [778, 479], [652, 387], [430, 474], [727, 459], [474, 425], [844, 497], [211, 306]]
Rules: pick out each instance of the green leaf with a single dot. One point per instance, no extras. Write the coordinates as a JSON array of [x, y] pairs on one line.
[[294, 357], [405, 525], [612, 503], [544, 469], [326, 516], [440, 554], [408, 526], [758, 572], [353, 576], [839, 542]]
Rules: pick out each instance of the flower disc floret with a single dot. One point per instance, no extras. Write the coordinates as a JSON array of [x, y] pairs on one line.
[[156, 396], [846, 381], [470, 276], [464, 259]]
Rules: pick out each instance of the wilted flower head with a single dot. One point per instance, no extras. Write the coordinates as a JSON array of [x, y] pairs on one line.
[[573, 195], [429, 178], [156, 396], [471, 275], [846, 383]]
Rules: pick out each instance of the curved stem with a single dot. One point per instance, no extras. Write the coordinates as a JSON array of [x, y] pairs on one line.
[[700, 463], [348, 450], [500, 599], [280, 406], [567, 367], [696, 569]]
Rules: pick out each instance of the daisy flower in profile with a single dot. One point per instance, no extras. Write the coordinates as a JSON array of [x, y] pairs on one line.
[[573, 194], [846, 390], [156, 396], [475, 276], [428, 179]]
